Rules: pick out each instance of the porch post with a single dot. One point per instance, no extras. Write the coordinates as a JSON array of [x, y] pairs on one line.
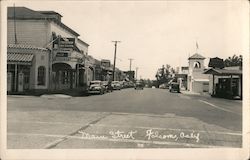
[[213, 92], [231, 83], [77, 76], [241, 86], [71, 79], [15, 80]]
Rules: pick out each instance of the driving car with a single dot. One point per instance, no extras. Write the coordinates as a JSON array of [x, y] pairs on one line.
[[174, 87], [139, 85], [96, 87], [116, 85]]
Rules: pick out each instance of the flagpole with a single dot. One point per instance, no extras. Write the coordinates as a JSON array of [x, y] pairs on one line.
[[197, 47]]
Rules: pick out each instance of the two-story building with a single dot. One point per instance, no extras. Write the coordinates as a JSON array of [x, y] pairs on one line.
[[43, 52]]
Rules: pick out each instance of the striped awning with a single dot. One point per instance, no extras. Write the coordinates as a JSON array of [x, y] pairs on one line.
[[20, 58]]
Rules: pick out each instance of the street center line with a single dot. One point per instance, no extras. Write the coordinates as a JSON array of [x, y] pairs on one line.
[[218, 107]]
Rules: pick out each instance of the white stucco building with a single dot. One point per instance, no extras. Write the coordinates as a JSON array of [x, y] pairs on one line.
[[197, 81], [53, 51]]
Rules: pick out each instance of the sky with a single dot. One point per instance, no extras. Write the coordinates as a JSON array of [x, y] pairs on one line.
[[153, 33]]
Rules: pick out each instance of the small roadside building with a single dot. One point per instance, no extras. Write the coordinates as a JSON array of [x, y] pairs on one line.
[[27, 68], [226, 82]]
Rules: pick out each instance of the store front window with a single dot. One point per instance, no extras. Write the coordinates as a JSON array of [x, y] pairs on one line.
[[41, 75]]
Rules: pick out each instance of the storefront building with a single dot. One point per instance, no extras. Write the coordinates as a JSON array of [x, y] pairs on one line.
[[27, 68], [226, 82], [65, 52]]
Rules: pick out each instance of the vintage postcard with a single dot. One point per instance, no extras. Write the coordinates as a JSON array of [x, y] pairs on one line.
[[125, 80]]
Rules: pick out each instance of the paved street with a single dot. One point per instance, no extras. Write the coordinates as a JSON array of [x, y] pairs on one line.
[[149, 118]]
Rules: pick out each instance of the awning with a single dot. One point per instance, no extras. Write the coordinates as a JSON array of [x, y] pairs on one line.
[[20, 58], [216, 71]]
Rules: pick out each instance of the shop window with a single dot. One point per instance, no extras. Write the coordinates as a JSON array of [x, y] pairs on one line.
[[65, 77], [41, 75]]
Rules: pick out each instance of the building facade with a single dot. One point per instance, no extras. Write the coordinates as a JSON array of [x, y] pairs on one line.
[[225, 82], [197, 81], [27, 68], [53, 46]]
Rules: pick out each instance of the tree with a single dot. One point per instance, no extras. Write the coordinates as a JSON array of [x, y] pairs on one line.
[[233, 61], [163, 74]]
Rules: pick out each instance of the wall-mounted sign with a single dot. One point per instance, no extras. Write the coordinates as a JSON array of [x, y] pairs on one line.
[[105, 63], [61, 54], [66, 42], [63, 43]]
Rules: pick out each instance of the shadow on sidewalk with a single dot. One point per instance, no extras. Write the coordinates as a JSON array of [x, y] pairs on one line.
[[79, 92]]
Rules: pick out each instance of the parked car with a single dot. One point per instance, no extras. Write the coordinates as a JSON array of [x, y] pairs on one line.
[[96, 87], [122, 83], [174, 87], [105, 84], [108, 86], [164, 86], [116, 85], [139, 85]]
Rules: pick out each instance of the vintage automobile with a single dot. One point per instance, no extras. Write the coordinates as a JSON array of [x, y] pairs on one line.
[[174, 87], [116, 85], [107, 85], [139, 85], [96, 87]]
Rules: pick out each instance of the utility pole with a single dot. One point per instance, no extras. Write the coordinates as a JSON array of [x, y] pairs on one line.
[[15, 24], [114, 59], [136, 72], [130, 63]]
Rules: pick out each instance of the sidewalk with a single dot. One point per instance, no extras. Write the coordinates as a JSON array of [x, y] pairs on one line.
[[189, 93], [76, 92], [185, 92], [55, 96]]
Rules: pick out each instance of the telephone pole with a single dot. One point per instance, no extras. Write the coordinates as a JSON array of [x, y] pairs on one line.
[[15, 24], [136, 72], [130, 63], [113, 78]]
